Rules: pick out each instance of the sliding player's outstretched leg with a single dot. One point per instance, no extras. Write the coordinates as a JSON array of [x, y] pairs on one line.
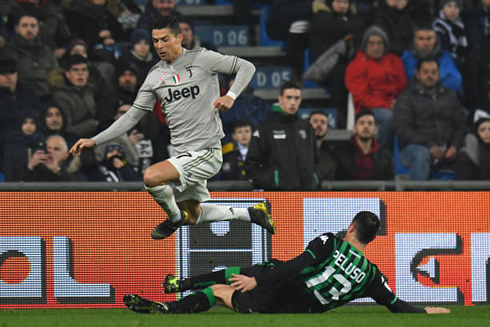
[[193, 303], [172, 284]]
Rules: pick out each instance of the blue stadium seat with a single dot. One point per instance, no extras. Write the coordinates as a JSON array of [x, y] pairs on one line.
[[224, 35], [264, 40], [270, 77], [2, 177]]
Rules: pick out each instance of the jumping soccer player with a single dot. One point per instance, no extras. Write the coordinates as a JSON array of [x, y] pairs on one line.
[[186, 84], [329, 273]]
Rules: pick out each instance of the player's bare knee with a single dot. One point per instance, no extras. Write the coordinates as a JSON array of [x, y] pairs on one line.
[[193, 209], [151, 178], [223, 294]]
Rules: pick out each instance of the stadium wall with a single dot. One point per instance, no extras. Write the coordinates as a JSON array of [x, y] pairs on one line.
[[88, 249]]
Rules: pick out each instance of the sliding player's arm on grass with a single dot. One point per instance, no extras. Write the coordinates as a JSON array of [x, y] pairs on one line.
[[382, 294]]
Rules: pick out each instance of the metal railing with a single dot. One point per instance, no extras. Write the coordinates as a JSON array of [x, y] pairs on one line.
[[235, 186]]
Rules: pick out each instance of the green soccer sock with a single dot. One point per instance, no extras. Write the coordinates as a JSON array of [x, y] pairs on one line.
[[202, 281], [196, 302]]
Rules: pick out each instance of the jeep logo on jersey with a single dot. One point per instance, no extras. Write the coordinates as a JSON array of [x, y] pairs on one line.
[[186, 92]]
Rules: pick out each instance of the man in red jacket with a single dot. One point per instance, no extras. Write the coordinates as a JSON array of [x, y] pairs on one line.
[[375, 78]]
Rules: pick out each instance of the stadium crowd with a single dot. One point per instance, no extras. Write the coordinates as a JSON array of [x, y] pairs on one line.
[[418, 72]]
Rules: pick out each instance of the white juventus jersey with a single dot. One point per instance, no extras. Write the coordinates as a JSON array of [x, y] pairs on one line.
[[187, 89]]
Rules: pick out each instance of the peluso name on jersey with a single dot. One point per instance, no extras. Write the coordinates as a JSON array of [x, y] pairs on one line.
[[348, 267], [186, 92]]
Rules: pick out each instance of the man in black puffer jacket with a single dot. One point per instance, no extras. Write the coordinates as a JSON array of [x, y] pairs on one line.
[[429, 122], [283, 152]]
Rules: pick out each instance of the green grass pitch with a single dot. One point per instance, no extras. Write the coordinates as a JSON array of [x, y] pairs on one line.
[[350, 316]]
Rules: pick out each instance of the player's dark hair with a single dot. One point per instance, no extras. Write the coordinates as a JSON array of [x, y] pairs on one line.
[[427, 59], [241, 123], [318, 112], [170, 22], [367, 225], [362, 113], [289, 85]]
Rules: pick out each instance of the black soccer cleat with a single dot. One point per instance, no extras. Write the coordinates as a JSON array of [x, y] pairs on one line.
[[259, 214], [171, 284], [167, 228], [142, 305]]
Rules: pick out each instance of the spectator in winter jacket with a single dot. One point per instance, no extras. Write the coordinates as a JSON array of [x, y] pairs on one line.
[[15, 100], [326, 163], [21, 146], [477, 23], [114, 167], [283, 152], [53, 163], [394, 17], [335, 20], [77, 99], [477, 78], [34, 59], [429, 122], [138, 55], [450, 30], [375, 78], [474, 159], [235, 153], [362, 158], [156, 8], [425, 45]]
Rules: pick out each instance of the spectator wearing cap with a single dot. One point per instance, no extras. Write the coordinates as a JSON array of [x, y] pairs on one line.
[[473, 162], [138, 55], [77, 98], [375, 78], [34, 59], [156, 8], [451, 30], [426, 45], [122, 90], [114, 166], [15, 100]]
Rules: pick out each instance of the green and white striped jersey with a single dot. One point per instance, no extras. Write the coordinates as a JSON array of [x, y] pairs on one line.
[[340, 274]]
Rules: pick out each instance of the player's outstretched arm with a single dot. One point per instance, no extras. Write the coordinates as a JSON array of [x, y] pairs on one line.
[[436, 310], [81, 144]]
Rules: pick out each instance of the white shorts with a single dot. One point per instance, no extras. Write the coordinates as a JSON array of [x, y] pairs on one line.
[[195, 168]]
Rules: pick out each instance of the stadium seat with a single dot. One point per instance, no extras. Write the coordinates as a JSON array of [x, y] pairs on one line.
[[350, 112], [264, 40], [2, 177], [223, 35]]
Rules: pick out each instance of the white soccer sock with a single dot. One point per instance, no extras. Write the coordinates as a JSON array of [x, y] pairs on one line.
[[212, 212], [164, 196]]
